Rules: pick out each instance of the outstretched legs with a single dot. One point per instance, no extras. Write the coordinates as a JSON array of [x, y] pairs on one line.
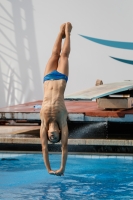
[[60, 62]]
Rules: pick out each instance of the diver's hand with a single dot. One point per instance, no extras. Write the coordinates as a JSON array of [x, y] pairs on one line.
[[51, 172], [59, 172]]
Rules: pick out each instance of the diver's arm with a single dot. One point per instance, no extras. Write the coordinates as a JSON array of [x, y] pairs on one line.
[[64, 141], [44, 142]]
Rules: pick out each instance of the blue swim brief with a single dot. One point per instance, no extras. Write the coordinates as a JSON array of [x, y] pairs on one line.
[[55, 75]]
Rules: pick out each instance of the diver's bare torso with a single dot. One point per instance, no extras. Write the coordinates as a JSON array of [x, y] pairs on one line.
[[53, 106]]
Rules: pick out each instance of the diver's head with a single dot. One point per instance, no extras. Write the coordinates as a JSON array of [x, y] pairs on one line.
[[54, 135]]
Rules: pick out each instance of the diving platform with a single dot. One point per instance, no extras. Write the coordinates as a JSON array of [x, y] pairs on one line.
[[79, 110], [115, 98]]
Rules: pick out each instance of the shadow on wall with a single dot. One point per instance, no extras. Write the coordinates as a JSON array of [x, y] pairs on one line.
[[2, 88], [21, 80]]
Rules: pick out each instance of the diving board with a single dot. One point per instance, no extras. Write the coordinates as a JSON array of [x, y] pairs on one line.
[[101, 91]]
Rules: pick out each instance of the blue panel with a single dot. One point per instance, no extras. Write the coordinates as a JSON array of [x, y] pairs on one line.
[[115, 44], [123, 60]]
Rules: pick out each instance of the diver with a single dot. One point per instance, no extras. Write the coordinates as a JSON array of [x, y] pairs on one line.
[[53, 112]]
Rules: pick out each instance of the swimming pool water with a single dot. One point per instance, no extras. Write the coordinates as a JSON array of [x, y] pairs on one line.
[[97, 177]]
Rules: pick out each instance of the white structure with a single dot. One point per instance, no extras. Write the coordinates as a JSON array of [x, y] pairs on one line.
[[28, 31]]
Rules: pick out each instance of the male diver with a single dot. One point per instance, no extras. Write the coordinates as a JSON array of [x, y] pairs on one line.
[[53, 112]]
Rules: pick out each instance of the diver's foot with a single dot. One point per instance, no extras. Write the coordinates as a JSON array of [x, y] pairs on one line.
[[68, 28], [62, 30]]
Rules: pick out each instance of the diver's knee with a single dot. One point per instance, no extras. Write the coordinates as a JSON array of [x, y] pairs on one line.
[[64, 55], [55, 55]]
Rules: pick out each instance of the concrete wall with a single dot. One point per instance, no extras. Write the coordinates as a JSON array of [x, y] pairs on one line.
[[28, 31]]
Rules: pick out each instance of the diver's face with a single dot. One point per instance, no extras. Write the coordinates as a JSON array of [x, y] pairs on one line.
[[53, 136]]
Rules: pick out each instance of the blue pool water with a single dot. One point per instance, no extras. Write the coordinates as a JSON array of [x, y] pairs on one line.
[[86, 177]]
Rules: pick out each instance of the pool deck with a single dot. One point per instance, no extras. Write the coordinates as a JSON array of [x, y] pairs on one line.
[[20, 124], [17, 135]]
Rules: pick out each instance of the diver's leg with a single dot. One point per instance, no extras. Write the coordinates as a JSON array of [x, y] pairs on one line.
[[63, 66], [53, 61]]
